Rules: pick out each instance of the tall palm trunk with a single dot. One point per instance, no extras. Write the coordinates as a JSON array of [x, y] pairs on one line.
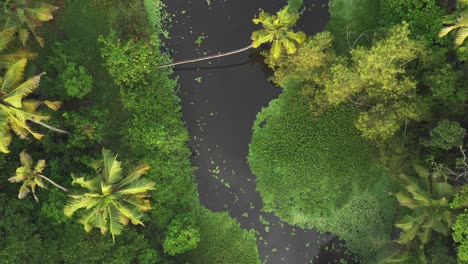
[[54, 183], [48, 126], [207, 57]]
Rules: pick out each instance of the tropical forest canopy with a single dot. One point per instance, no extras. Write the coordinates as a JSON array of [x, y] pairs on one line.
[[367, 139]]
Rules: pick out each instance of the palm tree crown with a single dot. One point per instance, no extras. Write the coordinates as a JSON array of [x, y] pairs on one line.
[[31, 177], [277, 30], [111, 200], [14, 111], [459, 22], [429, 204]]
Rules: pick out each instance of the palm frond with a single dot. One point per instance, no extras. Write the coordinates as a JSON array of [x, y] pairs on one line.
[[15, 96], [26, 159], [24, 190], [112, 167], [40, 165], [135, 174], [13, 75], [53, 105], [6, 36], [141, 186], [131, 213], [461, 36], [261, 36], [80, 202], [115, 227], [93, 185]]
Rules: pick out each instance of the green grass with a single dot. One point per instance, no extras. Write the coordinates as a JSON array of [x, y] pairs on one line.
[[320, 172]]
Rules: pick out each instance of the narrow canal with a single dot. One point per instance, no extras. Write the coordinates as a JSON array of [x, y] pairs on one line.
[[220, 99]]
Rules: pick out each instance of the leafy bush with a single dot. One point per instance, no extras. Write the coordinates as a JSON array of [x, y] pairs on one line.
[[223, 241], [423, 16], [67, 77], [129, 62], [181, 236], [76, 80], [88, 126], [446, 135]]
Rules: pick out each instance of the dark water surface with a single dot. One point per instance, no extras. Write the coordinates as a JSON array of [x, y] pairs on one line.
[[220, 100]]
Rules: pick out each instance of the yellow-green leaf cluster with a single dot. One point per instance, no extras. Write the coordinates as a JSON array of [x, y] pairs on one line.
[[111, 200], [277, 30]]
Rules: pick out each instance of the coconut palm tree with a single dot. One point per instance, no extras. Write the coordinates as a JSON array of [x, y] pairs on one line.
[[459, 22], [14, 111], [276, 30], [26, 16], [429, 204], [111, 200], [31, 177]]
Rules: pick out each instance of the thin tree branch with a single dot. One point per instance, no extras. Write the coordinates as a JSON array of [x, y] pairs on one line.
[[55, 184], [48, 126], [207, 57]]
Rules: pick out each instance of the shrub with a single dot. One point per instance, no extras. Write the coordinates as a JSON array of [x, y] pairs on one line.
[[129, 62], [446, 135], [181, 236], [76, 80]]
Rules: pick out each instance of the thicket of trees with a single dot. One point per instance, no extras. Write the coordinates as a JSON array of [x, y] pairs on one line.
[[366, 141], [100, 59], [383, 87]]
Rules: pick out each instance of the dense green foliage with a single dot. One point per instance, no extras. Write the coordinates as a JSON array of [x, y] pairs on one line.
[[181, 236], [446, 135], [381, 69], [460, 227], [324, 167], [126, 107], [223, 241]]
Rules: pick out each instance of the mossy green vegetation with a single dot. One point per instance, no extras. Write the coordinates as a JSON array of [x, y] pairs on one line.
[[320, 172], [223, 241]]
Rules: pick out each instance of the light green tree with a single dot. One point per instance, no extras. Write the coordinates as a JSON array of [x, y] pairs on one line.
[[376, 80], [31, 176], [111, 200], [26, 16]]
